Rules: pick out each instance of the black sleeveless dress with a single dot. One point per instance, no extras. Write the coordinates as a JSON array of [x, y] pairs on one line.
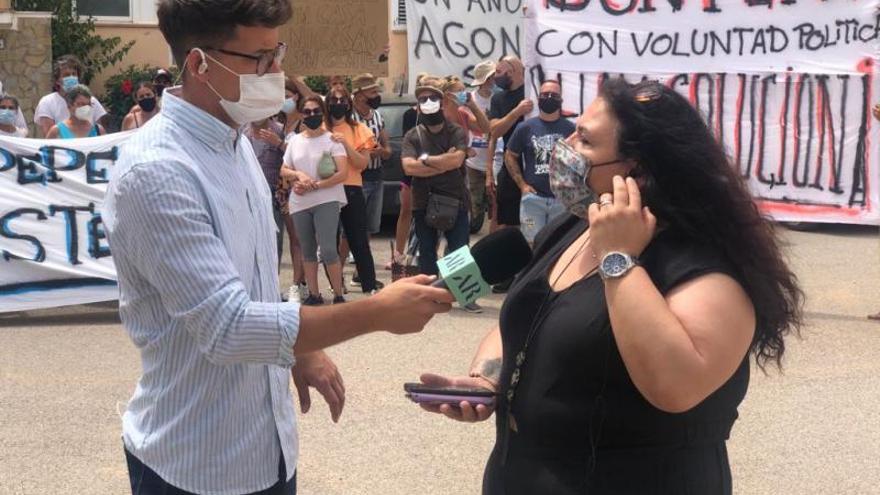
[[582, 426]]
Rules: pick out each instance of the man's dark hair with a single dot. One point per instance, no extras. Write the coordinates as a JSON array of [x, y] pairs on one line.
[[187, 24]]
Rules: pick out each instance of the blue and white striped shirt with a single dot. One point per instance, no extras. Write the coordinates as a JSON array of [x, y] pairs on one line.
[[189, 219]]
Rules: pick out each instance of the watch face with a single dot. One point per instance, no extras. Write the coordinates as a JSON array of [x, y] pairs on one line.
[[615, 264]]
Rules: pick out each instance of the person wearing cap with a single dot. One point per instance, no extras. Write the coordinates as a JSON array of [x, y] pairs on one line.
[[463, 110], [162, 80], [365, 90], [484, 84], [433, 153]]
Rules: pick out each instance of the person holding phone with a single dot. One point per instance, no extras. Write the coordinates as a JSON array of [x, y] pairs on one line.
[[623, 349]]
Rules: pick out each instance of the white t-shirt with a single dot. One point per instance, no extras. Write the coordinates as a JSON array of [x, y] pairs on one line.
[[19, 132], [479, 142], [303, 154], [54, 106]]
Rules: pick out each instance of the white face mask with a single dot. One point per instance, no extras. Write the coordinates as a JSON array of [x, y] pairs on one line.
[[430, 107], [84, 113], [260, 97]]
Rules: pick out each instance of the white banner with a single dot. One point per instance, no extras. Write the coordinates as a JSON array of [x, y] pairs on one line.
[[449, 37], [53, 250], [786, 85]]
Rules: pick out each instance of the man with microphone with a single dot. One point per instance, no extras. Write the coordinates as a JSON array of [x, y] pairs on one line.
[[189, 218]]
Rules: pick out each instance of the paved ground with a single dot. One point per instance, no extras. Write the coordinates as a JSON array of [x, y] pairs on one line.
[[66, 374]]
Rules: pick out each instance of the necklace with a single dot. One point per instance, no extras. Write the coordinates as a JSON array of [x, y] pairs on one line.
[[540, 316]]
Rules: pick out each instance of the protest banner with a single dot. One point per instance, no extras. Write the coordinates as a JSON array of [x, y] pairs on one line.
[[336, 37], [53, 248], [787, 86], [449, 37]]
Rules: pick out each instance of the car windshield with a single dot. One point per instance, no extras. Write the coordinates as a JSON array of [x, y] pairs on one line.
[[393, 115]]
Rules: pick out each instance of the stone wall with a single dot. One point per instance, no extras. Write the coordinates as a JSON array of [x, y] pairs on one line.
[[26, 61]]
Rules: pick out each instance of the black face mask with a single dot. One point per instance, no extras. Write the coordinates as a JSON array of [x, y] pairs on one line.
[[504, 82], [374, 102], [338, 110], [549, 105], [432, 119], [313, 121], [147, 104]]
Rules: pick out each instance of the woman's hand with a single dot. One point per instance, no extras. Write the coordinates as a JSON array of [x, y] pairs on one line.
[[463, 411], [619, 222], [270, 137], [338, 137]]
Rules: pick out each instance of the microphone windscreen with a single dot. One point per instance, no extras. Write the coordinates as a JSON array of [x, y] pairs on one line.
[[501, 254]]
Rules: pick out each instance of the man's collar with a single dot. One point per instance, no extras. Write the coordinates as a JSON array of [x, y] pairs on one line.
[[201, 124]]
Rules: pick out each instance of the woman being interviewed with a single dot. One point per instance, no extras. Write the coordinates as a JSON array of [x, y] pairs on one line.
[[623, 348], [316, 165]]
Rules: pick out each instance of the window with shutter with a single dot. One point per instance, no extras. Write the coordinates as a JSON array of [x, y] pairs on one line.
[[399, 23]]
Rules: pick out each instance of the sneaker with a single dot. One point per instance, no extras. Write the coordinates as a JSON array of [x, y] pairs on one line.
[[473, 308], [502, 287], [302, 291], [355, 280], [379, 286], [350, 258], [313, 300], [338, 300]]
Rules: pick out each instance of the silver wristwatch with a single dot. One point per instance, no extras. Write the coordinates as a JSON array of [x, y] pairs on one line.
[[616, 264]]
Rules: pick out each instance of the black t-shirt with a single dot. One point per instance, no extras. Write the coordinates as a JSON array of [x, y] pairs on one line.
[[583, 426], [503, 103], [451, 183], [410, 119], [533, 141]]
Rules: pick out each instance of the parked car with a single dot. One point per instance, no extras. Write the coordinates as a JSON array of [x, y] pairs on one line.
[[392, 109]]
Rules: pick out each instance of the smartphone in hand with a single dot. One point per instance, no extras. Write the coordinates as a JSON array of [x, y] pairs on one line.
[[429, 394]]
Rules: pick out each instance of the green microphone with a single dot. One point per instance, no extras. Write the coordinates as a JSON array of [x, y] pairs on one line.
[[469, 273]]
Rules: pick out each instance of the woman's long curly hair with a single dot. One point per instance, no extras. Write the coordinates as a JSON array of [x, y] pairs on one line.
[[691, 186]]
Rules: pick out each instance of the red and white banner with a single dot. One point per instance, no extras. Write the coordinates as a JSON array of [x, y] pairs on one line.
[[786, 85]]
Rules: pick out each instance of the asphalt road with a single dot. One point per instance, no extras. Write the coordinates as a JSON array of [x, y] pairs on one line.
[[66, 374]]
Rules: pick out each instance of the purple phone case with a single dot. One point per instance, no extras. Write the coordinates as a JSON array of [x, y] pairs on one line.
[[424, 398]]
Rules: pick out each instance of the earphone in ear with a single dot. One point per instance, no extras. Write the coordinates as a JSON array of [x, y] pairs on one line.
[[203, 66]]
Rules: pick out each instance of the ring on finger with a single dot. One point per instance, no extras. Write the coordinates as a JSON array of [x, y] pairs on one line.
[[605, 202]]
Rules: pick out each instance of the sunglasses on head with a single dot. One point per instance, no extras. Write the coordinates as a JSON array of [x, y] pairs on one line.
[[427, 98], [309, 112], [264, 59], [647, 94]]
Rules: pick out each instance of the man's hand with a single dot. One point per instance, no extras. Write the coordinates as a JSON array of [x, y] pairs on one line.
[[525, 107], [527, 189], [410, 303], [317, 370]]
